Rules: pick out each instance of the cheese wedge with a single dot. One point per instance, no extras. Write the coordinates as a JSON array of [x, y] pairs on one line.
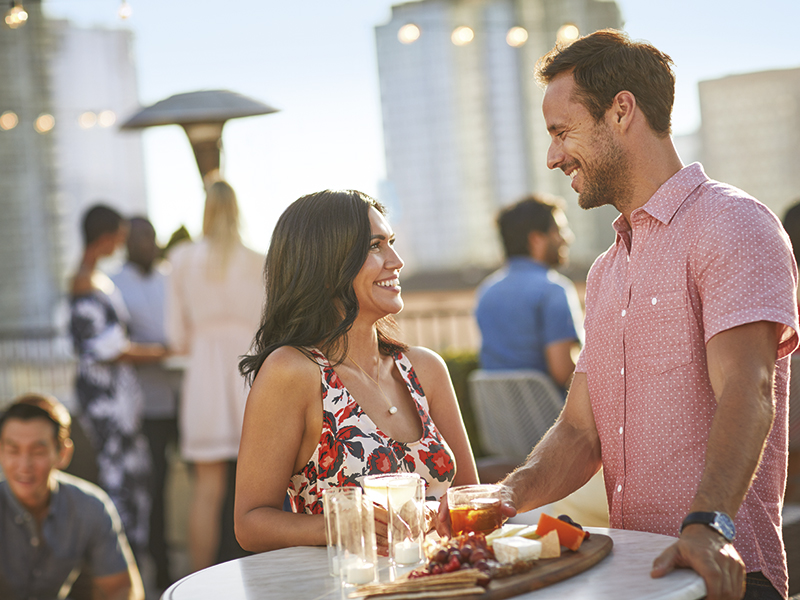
[[506, 530], [551, 548], [513, 549], [529, 532]]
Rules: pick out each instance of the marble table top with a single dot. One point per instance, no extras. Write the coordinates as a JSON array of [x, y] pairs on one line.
[[302, 574]]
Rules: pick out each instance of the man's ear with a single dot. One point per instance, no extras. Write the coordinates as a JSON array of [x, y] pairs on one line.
[[623, 109], [536, 244], [65, 454]]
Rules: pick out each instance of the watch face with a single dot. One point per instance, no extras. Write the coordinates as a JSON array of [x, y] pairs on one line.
[[724, 524]]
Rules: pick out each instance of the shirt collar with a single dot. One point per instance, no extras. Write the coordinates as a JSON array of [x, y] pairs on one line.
[[524, 262], [19, 510], [669, 197]]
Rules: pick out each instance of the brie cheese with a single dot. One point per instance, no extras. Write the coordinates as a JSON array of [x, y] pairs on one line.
[[513, 549]]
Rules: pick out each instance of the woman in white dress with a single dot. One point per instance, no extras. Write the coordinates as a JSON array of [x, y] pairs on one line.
[[214, 300]]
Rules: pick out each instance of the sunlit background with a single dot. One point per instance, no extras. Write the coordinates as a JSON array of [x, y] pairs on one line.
[[316, 61], [429, 105]]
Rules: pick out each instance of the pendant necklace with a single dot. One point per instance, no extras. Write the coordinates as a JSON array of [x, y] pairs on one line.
[[392, 407]]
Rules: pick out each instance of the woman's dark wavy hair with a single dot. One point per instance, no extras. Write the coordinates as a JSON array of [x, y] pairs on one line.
[[318, 247]]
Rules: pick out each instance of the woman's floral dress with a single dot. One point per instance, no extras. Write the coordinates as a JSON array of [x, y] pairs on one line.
[[110, 403], [352, 446]]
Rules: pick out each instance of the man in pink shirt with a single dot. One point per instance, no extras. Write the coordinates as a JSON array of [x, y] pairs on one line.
[[681, 389]]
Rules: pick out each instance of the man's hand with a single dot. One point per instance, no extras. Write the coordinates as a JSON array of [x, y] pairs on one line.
[[443, 523], [712, 556]]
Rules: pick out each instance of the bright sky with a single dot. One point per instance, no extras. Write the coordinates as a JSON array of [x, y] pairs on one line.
[[315, 61]]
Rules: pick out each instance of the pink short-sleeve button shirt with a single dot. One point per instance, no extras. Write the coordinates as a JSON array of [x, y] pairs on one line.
[[699, 258]]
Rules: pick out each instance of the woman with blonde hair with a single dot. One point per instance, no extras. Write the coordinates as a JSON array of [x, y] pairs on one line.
[[214, 299]]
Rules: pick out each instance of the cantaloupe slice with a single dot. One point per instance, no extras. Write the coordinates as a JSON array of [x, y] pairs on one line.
[[568, 535]]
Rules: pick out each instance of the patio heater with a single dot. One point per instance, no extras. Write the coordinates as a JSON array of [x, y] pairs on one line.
[[202, 115]]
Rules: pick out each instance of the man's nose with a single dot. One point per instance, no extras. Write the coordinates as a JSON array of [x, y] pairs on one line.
[[555, 155]]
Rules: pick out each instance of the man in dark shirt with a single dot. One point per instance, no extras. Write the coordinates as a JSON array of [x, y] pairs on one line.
[[53, 525]]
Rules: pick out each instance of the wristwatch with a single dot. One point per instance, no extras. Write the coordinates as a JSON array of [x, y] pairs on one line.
[[718, 521]]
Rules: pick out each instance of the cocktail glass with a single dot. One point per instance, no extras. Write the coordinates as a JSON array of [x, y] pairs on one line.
[[474, 508]]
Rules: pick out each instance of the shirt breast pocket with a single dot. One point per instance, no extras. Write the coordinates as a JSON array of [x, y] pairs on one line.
[[658, 339]]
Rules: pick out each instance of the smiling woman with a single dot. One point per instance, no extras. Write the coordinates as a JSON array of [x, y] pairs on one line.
[[327, 367]]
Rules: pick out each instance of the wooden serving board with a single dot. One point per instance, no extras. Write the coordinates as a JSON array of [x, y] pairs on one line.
[[544, 572], [552, 570]]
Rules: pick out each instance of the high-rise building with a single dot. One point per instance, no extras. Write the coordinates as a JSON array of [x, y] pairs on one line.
[[751, 134], [463, 128], [63, 90]]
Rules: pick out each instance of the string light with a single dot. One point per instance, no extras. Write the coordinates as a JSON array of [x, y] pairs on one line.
[[516, 37], [87, 120], [106, 118], [16, 16], [462, 36], [567, 34], [8, 120], [408, 34], [125, 10], [44, 123]]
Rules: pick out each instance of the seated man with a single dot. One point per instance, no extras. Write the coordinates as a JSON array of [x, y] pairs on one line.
[[529, 314], [53, 525]]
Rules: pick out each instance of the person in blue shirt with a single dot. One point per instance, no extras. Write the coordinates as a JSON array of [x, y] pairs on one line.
[[54, 526], [528, 314], [142, 283]]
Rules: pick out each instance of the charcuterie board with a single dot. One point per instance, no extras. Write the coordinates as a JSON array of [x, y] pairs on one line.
[[551, 570], [460, 584]]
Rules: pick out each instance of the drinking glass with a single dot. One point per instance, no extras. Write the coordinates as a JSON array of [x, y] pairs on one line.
[[403, 497], [474, 508], [356, 547], [407, 527], [330, 497]]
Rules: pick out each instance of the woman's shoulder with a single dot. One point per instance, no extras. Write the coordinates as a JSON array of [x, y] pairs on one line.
[[288, 365], [178, 253], [425, 360]]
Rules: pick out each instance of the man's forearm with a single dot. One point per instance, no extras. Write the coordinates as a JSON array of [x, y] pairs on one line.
[[563, 461], [736, 441], [741, 363]]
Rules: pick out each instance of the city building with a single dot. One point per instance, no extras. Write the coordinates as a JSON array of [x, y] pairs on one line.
[[63, 90], [463, 129], [751, 134]]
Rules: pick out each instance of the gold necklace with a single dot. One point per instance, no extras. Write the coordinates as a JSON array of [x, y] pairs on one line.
[[392, 407]]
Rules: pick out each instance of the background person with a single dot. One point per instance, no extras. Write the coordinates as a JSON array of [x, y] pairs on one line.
[[335, 396], [528, 314], [681, 388], [54, 525], [214, 299], [107, 390], [142, 282]]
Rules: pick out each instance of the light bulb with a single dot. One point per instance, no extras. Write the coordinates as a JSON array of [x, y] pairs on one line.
[[567, 34], [87, 120], [8, 120], [516, 37], [125, 10], [16, 16], [106, 118], [408, 34], [462, 35], [44, 123]]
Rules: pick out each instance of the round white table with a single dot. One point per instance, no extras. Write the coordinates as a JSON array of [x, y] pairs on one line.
[[302, 574]]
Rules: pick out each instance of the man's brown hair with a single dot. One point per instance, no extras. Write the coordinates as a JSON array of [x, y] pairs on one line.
[[39, 406], [607, 62]]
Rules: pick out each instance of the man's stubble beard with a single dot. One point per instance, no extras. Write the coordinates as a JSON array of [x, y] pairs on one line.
[[607, 181]]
